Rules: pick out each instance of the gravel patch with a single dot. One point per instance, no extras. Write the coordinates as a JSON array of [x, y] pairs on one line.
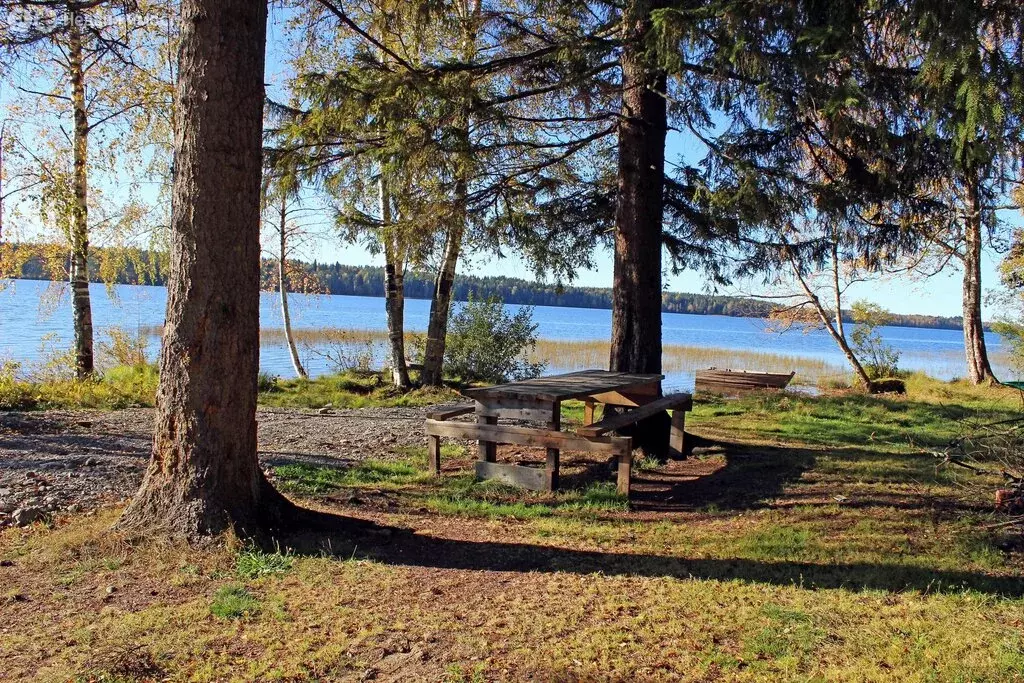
[[73, 460]]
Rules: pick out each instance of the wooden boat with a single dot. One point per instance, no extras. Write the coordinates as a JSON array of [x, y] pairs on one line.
[[727, 381]]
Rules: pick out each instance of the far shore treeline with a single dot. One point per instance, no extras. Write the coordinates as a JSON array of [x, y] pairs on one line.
[[146, 267]]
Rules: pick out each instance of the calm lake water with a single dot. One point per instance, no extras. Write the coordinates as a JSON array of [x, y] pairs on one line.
[[35, 320]]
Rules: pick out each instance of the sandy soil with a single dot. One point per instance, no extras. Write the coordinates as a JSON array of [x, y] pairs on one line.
[[73, 460]]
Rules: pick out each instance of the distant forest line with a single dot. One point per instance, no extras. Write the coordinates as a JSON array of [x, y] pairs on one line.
[[145, 267]]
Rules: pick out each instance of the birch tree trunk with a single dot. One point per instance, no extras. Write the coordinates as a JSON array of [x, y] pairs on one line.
[[441, 302], [282, 281], [79, 271], [394, 290], [834, 328], [636, 290], [979, 369], [204, 476]]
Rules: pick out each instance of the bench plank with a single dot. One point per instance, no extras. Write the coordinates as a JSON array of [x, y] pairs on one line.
[[532, 478], [450, 413], [682, 402], [526, 436]]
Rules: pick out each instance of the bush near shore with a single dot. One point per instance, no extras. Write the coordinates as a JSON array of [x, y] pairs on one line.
[[135, 386]]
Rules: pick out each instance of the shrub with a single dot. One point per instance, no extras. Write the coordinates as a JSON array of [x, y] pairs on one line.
[[346, 353], [15, 394], [265, 382], [486, 343], [123, 348], [879, 359]]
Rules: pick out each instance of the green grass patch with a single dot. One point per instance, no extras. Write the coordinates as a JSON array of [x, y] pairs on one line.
[[234, 601], [930, 415], [120, 387], [979, 548], [317, 480], [776, 543], [348, 390], [253, 563], [129, 386], [465, 496]]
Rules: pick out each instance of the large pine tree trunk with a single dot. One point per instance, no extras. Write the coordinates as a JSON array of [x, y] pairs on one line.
[[204, 476], [978, 367], [282, 284], [394, 290], [79, 272], [636, 290]]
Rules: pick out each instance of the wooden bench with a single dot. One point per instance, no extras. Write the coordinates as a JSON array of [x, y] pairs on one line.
[[596, 437], [434, 441], [679, 404]]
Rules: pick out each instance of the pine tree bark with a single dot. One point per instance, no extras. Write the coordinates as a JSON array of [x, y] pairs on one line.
[[979, 369], [636, 289], [394, 290], [282, 283], [79, 271], [204, 477]]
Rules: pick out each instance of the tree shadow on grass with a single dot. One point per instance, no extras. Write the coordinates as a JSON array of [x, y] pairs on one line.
[[751, 477], [345, 537]]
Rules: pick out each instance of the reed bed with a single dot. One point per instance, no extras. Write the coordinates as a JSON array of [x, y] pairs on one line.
[[677, 358], [303, 335], [567, 355]]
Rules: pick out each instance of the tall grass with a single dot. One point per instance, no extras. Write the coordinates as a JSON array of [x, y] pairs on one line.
[[565, 355], [305, 335], [573, 355]]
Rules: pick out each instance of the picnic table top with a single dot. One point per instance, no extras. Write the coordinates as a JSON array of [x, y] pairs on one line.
[[564, 387]]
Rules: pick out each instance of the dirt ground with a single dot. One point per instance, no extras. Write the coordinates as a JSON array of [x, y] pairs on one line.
[[63, 460]]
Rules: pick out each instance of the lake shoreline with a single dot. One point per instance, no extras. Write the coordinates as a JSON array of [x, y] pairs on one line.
[[36, 329], [754, 311]]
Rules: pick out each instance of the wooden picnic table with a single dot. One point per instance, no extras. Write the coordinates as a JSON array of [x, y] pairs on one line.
[[539, 401]]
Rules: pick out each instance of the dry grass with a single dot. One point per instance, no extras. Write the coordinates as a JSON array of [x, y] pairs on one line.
[[746, 568], [566, 355]]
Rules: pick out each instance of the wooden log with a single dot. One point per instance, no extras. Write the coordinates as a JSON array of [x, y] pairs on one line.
[[532, 478], [678, 402], [525, 436], [488, 448], [434, 454]]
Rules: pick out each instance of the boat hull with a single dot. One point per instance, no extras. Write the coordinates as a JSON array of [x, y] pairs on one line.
[[718, 381]]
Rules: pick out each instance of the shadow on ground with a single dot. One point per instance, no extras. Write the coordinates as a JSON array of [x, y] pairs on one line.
[[347, 537], [751, 477]]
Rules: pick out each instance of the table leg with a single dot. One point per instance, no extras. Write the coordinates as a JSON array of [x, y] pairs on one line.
[[625, 468], [588, 411], [551, 466], [488, 449], [434, 454]]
